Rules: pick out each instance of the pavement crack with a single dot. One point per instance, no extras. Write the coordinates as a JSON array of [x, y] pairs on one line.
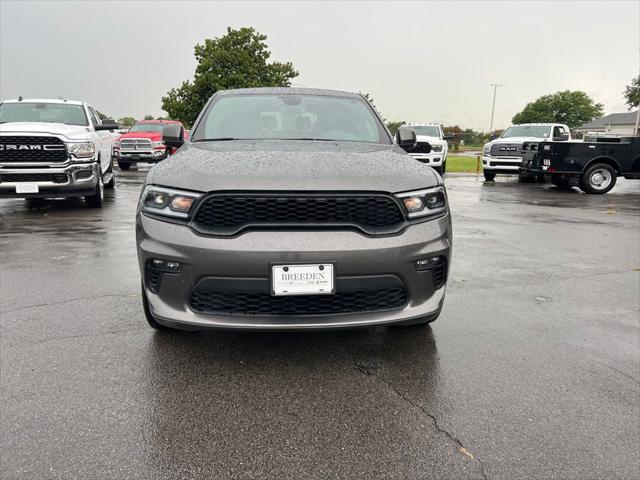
[[367, 370], [71, 300]]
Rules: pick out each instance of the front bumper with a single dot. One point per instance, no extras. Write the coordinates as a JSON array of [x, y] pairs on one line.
[[501, 164], [250, 256], [139, 156], [434, 159], [81, 179]]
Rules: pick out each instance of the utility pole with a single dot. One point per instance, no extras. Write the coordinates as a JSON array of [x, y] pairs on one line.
[[495, 89]]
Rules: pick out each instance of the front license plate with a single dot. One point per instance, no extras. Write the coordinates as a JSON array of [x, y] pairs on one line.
[[311, 279], [27, 188]]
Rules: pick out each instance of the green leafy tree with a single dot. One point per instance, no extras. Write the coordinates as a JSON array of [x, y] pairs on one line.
[[394, 126], [101, 115], [570, 107], [148, 117], [126, 121], [239, 59], [458, 135], [632, 93]]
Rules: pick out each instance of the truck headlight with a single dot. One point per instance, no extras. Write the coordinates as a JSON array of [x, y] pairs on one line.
[[167, 202], [436, 148], [486, 150], [424, 203], [158, 145], [82, 149]]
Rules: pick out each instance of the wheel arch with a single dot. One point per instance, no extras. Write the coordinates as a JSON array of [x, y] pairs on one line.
[[603, 159]]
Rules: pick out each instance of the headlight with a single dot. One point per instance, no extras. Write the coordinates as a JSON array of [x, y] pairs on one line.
[[423, 203], [167, 201], [486, 150], [116, 144], [82, 150], [436, 148], [158, 145]]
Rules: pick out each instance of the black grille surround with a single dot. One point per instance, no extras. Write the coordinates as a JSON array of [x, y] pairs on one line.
[[33, 177], [421, 147], [32, 149], [250, 297], [228, 214]]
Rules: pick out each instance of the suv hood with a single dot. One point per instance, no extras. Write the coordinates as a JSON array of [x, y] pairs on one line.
[[154, 136], [71, 132], [292, 165]]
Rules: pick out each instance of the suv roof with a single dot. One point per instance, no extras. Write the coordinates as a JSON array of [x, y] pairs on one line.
[[287, 91], [45, 100]]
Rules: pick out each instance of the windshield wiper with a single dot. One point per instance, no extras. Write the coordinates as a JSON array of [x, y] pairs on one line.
[[308, 139], [221, 139]]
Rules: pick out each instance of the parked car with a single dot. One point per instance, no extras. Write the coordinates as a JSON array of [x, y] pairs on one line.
[[291, 209], [54, 148], [142, 143], [591, 166], [504, 154], [431, 147]]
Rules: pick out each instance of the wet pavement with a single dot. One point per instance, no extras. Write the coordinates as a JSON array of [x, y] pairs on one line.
[[532, 370]]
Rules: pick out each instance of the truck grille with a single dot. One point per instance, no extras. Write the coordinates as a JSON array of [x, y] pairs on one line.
[[506, 150], [33, 177], [229, 214], [421, 147], [136, 145], [32, 149]]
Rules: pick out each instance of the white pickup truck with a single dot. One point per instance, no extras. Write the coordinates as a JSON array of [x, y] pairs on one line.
[[431, 147], [54, 148], [504, 154]]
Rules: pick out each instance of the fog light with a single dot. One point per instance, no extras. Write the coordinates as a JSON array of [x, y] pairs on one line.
[[427, 263], [166, 265]]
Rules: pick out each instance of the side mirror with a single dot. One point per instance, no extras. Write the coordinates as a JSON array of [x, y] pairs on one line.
[[107, 124], [406, 138], [448, 136], [562, 138], [173, 136]]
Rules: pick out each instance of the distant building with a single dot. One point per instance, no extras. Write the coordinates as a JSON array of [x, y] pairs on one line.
[[616, 123]]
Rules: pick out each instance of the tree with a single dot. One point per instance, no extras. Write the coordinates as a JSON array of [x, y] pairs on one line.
[[238, 59], [101, 115], [126, 121], [570, 107], [394, 126], [632, 93], [458, 135], [148, 117]]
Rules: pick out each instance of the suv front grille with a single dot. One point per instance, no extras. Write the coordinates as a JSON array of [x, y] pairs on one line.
[[240, 303], [506, 150], [32, 149], [33, 177], [229, 214], [136, 145]]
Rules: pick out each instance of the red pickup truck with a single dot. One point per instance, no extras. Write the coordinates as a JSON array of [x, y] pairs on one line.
[[142, 143]]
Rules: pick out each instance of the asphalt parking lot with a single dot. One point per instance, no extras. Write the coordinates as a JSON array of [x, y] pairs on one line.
[[532, 371]]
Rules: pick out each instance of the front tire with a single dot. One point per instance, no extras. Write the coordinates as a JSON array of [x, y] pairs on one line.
[[97, 199], [489, 176], [598, 179]]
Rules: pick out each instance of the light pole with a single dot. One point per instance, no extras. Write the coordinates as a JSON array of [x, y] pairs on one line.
[[495, 90]]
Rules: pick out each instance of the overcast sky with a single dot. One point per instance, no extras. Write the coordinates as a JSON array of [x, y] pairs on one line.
[[421, 61]]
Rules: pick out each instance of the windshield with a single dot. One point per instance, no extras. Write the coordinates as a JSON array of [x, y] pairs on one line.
[[290, 117], [427, 130], [43, 112], [538, 131], [148, 127]]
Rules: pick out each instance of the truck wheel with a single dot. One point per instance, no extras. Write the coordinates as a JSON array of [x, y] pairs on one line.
[[124, 166], [97, 198], [489, 176], [599, 178], [153, 323], [112, 181]]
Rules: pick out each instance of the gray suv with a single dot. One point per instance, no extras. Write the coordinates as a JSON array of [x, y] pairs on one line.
[[291, 209]]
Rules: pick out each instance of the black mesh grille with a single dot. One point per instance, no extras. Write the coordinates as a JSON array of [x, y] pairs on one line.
[[229, 214], [235, 303], [506, 150], [421, 147], [33, 177], [32, 149], [439, 275]]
